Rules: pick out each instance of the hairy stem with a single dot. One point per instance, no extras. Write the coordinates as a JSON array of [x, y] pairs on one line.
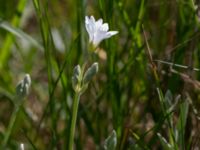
[[73, 120]]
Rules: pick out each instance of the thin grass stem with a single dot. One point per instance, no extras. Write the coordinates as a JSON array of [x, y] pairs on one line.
[[10, 126]]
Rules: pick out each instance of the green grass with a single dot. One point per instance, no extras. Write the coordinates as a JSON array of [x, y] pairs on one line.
[[131, 94]]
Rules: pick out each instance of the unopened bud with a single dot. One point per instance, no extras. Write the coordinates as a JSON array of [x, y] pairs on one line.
[[23, 86], [76, 78], [77, 71], [90, 73]]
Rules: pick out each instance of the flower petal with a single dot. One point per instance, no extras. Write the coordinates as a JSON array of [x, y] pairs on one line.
[[99, 23], [105, 27], [90, 26], [92, 19], [111, 33], [99, 36]]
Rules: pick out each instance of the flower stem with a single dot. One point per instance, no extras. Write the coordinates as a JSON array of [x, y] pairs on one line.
[[74, 117], [10, 126]]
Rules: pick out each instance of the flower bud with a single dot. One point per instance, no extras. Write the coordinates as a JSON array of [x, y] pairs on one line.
[[76, 78], [90, 73], [23, 86], [111, 141], [77, 71]]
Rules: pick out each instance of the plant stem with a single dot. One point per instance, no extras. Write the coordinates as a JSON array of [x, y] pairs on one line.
[[10, 127], [73, 121]]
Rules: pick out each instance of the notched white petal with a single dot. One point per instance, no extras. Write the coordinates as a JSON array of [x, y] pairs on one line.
[[86, 19], [99, 23], [92, 19], [105, 27]]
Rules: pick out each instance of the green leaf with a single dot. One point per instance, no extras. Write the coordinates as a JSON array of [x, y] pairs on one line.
[[181, 126], [19, 33]]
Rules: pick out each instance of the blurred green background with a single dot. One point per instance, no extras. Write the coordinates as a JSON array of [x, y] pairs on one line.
[[49, 40]]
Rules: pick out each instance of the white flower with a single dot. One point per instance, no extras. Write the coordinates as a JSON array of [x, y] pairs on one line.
[[97, 30]]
